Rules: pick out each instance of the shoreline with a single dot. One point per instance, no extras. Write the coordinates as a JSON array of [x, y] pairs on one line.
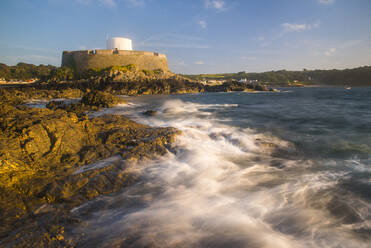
[[41, 149], [45, 153], [115, 180]]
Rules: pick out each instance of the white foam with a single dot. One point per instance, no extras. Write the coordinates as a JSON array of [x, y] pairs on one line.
[[220, 190]]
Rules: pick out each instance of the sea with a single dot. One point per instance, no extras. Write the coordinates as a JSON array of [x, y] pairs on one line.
[[258, 170]]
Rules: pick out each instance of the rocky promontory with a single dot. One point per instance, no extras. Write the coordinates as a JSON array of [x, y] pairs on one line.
[[123, 80], [53, 159]]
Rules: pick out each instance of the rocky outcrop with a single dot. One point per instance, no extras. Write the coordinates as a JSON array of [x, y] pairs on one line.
[[52, 160], [128, 80], [150, 112], [235, 86], [101, 99], [56, 158]]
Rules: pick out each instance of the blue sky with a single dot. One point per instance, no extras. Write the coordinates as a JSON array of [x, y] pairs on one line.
[[198, 36]]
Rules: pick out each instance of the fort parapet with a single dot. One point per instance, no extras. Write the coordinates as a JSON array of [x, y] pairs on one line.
[[100, 59]]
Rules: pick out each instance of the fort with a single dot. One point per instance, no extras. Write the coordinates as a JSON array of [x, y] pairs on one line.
[[118, 53]]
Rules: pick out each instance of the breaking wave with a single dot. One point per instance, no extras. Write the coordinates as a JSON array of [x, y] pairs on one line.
[[227, 186]]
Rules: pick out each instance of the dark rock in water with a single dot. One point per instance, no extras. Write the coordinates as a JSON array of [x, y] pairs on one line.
[[342, 210], [261, 88], [101, 99], [54, 104], [150, 112], [78, 108], [277, 163], [235, 86], [90, 101]]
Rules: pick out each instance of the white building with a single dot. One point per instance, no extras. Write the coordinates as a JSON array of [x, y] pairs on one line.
[[119, 43]]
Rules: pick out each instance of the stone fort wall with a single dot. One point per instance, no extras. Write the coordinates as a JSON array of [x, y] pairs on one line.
[[99, 59]]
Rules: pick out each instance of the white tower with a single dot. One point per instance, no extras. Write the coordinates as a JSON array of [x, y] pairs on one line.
[[119, 43]]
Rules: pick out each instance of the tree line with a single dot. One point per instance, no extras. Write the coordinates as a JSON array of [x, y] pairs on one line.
[[24, 71], [360, 76]]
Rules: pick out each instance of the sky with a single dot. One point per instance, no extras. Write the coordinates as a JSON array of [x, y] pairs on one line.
[[198, 36]]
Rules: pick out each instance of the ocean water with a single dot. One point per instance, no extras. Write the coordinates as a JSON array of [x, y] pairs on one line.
[[288, 169]]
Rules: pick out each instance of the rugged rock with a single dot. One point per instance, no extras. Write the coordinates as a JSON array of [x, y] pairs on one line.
[[18, 94], [261, 88], [56, 158], [11, 97], [150, 112], [125, 82], [91, 101], [52, 160], [101, 99]]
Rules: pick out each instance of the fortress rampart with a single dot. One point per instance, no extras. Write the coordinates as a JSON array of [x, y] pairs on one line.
[[99, 59]]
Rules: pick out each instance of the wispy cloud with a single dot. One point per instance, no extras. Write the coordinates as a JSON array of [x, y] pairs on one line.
[[83, 1], [265, 44], [248, 57], [173, 41], [330, 51], [27, 47], [137, 3], [326, 1], [178, 63], [215, 4], [170, 36], [199, 62], [203, 24], [173, 45], [295, 27], [109, 3], [350, 43]]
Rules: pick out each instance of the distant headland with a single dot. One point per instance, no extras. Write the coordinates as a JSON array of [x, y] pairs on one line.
[[360, 76]]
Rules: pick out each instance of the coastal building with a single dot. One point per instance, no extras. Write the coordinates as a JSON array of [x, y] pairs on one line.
[[119, 43], [118, 52]]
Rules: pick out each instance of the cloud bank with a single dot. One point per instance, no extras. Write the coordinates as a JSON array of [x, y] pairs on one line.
[[295, 27], [203, 24], [326, 1], [215, 4]]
